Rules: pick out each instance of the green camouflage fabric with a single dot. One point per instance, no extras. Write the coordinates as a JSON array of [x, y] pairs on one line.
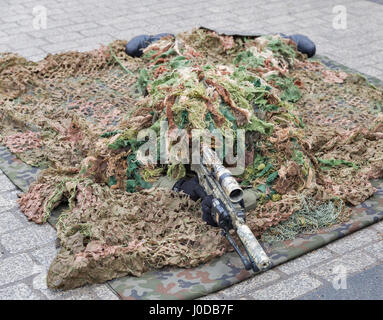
[[176, 283], [21, 174]]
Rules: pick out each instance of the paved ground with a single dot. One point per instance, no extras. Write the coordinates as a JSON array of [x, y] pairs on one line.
[[26, 249], [366, 285]]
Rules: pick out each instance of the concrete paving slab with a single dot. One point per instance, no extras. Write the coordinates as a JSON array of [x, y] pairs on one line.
[[15, 268], [375, 250], [379, 226], [5, 184], [352, 262], [287, 289], [251, 284], [28, 238], [353, 241], [306, 261], [8, 222], [6, 204], [46, 254], [18, 292], [367, 285]]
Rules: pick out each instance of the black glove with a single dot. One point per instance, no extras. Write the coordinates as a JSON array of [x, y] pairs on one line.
[[191, 187], [207, 203]]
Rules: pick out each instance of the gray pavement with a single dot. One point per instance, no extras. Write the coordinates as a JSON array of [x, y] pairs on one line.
[[355, 39], [366, 285]]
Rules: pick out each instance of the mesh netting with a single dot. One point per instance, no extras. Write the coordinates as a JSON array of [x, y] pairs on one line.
[[313, 142]]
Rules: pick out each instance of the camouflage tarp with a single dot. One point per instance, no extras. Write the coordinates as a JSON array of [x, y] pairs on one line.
[[79, 114], [220, 273], [176, 283]]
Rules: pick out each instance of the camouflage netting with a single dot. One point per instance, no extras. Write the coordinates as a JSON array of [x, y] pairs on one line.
[[313, 142]]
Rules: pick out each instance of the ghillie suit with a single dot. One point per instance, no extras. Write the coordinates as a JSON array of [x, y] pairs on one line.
[[79, 114]]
